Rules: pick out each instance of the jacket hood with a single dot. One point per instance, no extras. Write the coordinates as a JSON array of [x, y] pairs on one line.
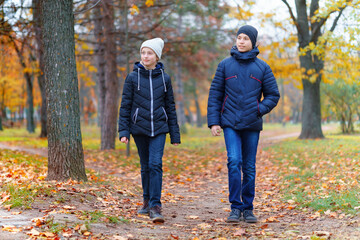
[[249, 56]]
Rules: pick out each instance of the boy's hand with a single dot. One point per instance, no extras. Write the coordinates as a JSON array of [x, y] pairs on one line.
[[124, 140], [216, 130]]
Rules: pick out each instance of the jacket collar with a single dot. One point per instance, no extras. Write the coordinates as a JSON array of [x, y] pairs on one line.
[[244, 56], [158, 69]]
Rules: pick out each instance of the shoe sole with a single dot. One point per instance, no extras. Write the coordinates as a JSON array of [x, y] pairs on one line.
[[158, 220], [251, 221], [233, 221], [143, 213]]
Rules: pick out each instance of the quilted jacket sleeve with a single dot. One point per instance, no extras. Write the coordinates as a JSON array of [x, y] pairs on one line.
[[125, 109], [216, 96], [270, 92], [171, 113]]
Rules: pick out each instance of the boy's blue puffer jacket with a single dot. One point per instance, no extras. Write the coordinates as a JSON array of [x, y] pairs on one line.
[[148, 106], [235, 97]]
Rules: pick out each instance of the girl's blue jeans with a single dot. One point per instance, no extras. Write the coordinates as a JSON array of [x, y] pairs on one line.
[[151, 150], [241, 149]]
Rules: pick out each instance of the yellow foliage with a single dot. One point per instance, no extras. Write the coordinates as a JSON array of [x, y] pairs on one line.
[[241, 12], [149, 3], [134, 10]]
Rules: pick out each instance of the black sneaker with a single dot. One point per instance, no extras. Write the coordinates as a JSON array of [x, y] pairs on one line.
[[155, 215], [145, 208], [249, 217], [235, 216]]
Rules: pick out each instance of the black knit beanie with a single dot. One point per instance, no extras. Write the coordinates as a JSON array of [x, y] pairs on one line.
[[250, 31]]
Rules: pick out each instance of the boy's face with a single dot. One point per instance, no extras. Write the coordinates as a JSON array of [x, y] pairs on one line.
[[148, 57], [243, 43]]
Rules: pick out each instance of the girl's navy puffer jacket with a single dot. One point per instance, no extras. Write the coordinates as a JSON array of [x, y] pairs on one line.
[[148, 106], [235, 98]]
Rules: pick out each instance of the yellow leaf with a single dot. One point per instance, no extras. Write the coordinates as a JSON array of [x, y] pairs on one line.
[[149, 3], [134, 10], [41, 178]]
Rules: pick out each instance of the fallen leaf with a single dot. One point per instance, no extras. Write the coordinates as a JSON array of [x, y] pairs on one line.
[[33, 232], [240, 232]]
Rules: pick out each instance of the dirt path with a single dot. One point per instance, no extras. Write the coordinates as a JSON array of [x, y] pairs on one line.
[[198, 208]]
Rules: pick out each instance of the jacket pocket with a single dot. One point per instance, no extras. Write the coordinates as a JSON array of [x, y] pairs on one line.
[[134, 118], [223, 106], [235, 76], [258, 109], [251, 76], [166, 117]]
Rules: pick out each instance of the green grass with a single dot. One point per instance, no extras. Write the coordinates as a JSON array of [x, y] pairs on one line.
[[99, 216], [320, 174]]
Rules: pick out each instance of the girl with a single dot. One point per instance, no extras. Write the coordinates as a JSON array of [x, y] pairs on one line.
[[148, 112], [236, 105]]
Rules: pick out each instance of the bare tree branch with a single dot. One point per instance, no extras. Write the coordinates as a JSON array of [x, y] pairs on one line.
[[291, 14]]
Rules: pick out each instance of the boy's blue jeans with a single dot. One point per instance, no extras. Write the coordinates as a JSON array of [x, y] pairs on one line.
[[241, 149], [151, 150]]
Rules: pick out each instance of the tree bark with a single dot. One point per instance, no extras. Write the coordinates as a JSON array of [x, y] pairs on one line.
[[199, 121], [100, 61], [180, 96], [179, 85], [111, 104], [65, 151], [30, 124], [311, 110], [40, 55]]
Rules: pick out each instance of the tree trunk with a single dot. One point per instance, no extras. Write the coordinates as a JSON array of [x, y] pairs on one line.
[[190, 118], [65, 151], [40, 54], [110, 112], [199, 121], [100, 61], [30, 124], [311, 110], [180, 96]]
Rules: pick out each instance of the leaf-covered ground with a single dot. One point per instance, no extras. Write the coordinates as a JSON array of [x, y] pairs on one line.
[[305, 190]]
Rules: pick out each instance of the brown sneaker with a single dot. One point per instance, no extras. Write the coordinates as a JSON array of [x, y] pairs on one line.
[[155, 215]]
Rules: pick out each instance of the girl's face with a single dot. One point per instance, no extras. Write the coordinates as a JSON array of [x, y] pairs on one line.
[[148, 58], [243, 43]]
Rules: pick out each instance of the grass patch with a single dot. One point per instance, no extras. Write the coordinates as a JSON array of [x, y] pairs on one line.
[[98, 216], [320, 174]]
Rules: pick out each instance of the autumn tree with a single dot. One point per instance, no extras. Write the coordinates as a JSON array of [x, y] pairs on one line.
[[311, 21], [65, 152], [19, 35], [108, 80]]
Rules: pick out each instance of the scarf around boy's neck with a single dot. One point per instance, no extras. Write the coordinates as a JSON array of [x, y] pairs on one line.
[[244, 56]]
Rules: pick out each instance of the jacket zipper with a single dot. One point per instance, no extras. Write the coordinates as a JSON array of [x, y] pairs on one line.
[[223, 106], [135, 115], [165, 113], [151, 105]]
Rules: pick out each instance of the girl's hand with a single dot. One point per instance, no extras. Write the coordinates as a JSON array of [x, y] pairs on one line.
[[215, 130], [124, 140], [175, 144]]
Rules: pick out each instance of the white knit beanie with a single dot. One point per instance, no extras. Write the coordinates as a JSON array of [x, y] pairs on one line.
[[156, 44]]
